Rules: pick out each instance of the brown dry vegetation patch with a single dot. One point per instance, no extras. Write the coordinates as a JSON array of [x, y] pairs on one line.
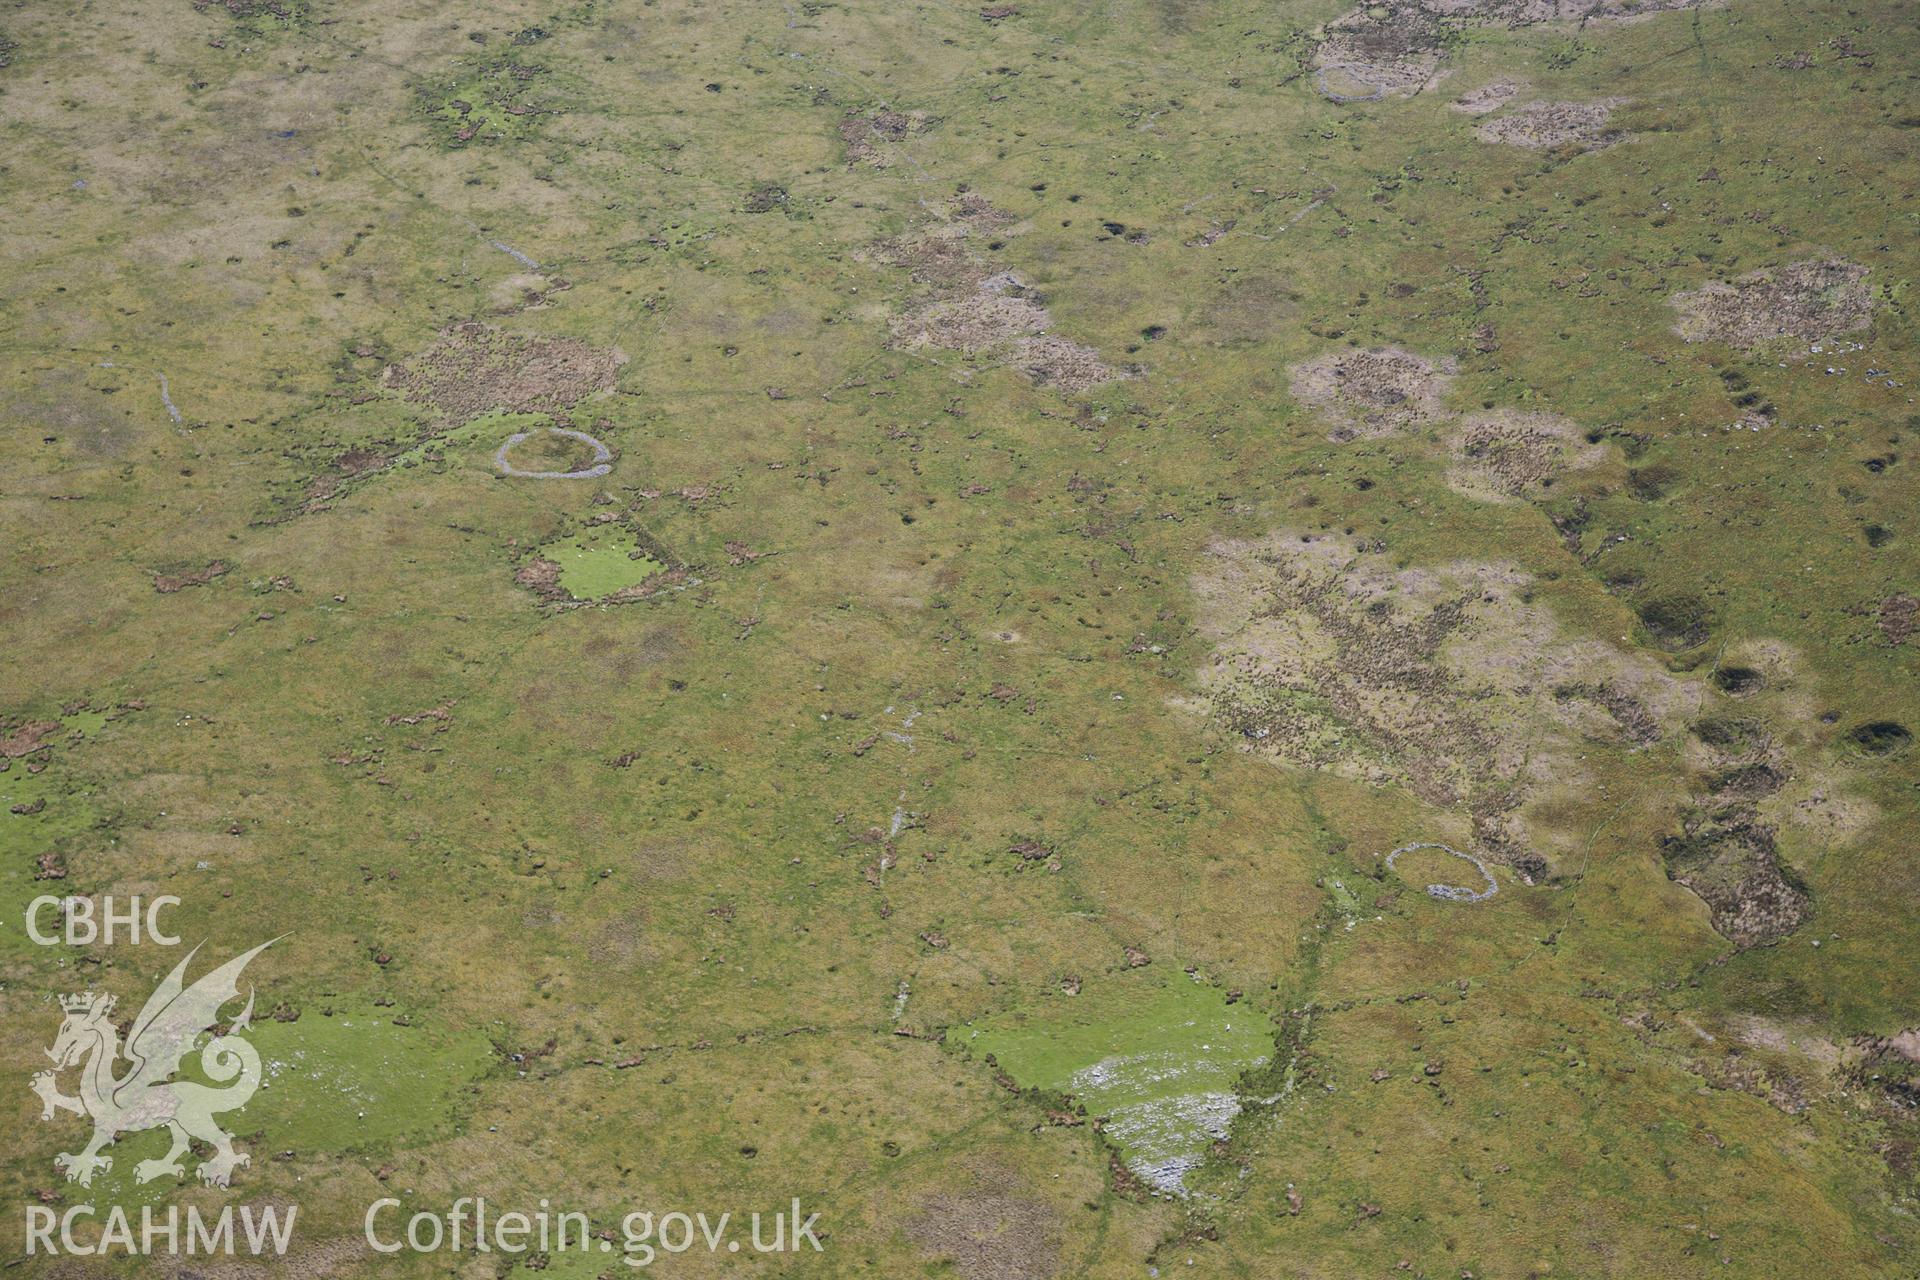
[[476, 369], [1807, 300], [1539, 126], [248, 8], [1394, 48], [25, 739], [1625, 10], [322, 1260], [1905, 1044], [977, 310], [938, 257], [1624, 713], [1883, 1072], [1899, 617], [1736, 871], [972, 323], [1061, 363], [1723, 852], [1509, 454], [168, 583], [1398, 47], [1526, 13], [977, 211], [1487, 98], [869, 139], [1757, 1074], [349, 466], [542, 577], [1447, 681], [989, 1237], [1372, 392], [357, 462]]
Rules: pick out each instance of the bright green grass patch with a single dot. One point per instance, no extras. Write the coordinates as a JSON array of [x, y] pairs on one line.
[[474, 110], [599, 564], [1160, 1058], [51, 810], [83, 723], [53, 815], [1344, 899], [355, 1082], [345, 1083]]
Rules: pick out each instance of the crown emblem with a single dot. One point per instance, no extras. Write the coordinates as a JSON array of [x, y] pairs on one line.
[[87, 1002]]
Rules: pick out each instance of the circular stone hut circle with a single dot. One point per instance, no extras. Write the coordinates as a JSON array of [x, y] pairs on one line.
[[1451, 892], [1320, 82], [602, 457]]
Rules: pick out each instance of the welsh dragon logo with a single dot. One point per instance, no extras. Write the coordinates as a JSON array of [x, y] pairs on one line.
[[144, 1095]]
